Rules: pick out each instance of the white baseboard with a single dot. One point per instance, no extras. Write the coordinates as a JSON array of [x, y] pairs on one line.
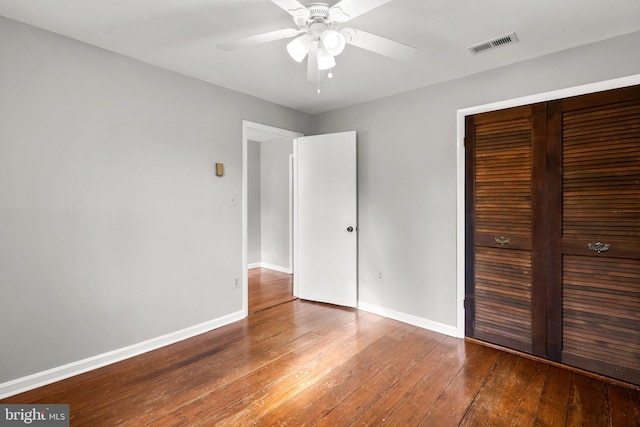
[[49, 376], [286, 270], [409, 318]]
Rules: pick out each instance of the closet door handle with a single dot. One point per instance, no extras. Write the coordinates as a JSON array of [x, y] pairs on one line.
[[502, 240], [599, 247]]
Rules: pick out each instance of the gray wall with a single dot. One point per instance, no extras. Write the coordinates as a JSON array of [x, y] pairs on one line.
[[407, 170], [268, 203], [114, 228], [254, 217], [274, 204]]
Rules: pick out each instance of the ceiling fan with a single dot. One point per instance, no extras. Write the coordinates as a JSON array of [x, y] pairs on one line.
[[321, 36]]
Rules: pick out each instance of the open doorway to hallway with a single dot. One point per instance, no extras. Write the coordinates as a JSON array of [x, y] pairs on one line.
[[268, 219]]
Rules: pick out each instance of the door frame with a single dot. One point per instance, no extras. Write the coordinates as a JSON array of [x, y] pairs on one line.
[[247, 129], [460, 167]]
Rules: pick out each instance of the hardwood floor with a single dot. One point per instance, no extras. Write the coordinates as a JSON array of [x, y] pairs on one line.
[[268, 288], [303, 363]]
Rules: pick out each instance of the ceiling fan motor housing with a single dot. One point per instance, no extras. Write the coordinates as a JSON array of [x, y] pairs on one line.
[[318, 21], [318, 10]]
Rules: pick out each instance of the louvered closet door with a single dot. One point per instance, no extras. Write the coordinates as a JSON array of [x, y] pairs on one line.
[[595, 280], [504, 206]]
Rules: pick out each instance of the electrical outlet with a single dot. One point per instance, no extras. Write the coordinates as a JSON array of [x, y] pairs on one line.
[[380, 275], [236, 282]]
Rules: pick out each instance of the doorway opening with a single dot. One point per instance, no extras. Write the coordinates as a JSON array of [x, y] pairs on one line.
[[268, 288], [268, 177]]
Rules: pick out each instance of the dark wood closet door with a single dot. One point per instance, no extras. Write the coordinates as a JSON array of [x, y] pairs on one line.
[[553, 230], [505, 152], [594, 244]]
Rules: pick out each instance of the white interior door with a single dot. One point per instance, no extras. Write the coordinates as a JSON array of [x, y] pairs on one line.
[[326, 221]]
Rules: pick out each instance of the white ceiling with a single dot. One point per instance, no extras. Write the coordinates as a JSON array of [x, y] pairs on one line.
[[181, 35]]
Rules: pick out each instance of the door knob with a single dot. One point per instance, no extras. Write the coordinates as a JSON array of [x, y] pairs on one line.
[[349, 229]]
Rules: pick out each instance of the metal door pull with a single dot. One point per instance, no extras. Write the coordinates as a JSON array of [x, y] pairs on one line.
[[599, 247], [502, 240]]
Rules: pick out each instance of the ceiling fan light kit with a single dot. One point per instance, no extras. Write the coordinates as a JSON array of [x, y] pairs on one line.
[[326, 61], [322, 38], [299, 47], [333, 41]]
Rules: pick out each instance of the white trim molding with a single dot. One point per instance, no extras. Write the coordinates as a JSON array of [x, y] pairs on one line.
[[49, 376], [274, 267], [515, 102], [409, 318]]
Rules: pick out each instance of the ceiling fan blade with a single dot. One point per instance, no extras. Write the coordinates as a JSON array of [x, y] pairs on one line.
[[345, 10], [293, 8], [313, 74], [377, 44], [260, 38]]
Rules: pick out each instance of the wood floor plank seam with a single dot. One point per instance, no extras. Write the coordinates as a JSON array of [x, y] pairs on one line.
[[384, 380], [290, 361], [326, 375], [268, 362], [426, 393], [364, 361], [425, 418], [449, 415], [391, 399]]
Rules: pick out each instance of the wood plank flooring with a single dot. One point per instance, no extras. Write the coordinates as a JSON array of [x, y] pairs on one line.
[[302, 363], [268, 288]]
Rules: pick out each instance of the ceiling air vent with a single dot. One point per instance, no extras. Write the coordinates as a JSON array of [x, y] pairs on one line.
[[490, 44]]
